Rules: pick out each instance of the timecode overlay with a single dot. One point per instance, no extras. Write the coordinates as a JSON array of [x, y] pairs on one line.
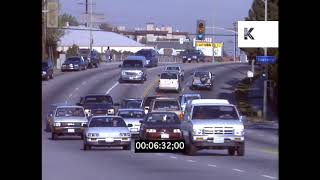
[[159, 146]]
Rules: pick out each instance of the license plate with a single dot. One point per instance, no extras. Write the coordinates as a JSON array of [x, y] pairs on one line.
[[189, 58], [70, 124], [218, 140], [70, 130], [134, 129], [164, 136], [130, 77], [109, 139]]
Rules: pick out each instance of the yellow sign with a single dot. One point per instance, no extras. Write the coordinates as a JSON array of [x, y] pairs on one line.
[[203, 44], [218, 45], [52, 16]]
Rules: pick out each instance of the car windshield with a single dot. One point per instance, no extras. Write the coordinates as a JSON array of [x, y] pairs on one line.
[[144, 53], [132, 104], [201, 74], [98, 100], [148, 100], [214, 112], [162, 118], [107, 122], [133, 63], [70, 111], [169, 76], [172, 68], [132, 114], [73, 60], [166, 105]]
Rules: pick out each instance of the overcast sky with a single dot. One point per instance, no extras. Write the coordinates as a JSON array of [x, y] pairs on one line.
[[181, 14]]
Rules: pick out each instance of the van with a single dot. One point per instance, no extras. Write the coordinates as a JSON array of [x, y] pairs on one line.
[[133, 69]]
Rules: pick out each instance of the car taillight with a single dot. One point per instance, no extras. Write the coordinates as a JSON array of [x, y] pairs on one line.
[[181, 116]]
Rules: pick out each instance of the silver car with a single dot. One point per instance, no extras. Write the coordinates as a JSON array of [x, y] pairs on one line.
[[187, 98], [176, 69], [133, 117], [107, 131], [68, 120]]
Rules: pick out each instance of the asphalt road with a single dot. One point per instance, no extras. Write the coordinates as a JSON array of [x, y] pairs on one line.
[[65, 159]]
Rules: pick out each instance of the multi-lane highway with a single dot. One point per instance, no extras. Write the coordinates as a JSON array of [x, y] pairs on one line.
[[65, 159]]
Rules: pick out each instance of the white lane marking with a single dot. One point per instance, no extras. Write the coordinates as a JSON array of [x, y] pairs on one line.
[[239, 170], [77, 89], [191, 160], [112, 87], [159, 154], [271, 177], [173, 157], [212, 165]]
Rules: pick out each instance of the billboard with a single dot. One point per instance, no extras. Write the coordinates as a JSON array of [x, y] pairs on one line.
[[206, 48], [258, 34]]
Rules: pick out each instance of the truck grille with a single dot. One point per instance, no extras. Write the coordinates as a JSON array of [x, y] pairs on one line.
[[70, 124], [131, 73], [219, 130]]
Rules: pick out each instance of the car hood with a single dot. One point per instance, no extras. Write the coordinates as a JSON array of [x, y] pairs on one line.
[[70, 119], [97, 106], [108, 131], [132, 121], [200, 124], [162, 125]]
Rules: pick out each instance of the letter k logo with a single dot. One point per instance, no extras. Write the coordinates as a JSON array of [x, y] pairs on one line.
[[248, 33]]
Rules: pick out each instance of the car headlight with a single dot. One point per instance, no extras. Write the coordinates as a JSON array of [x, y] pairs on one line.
[[57, 124], [195, 57], [43, 72], [110, 111], [82, 124], [123, 73], [239, 132], [87, 111], [93, 134], [198, 131], [71, 65], [176, 131], [151, 130], [124, 134]]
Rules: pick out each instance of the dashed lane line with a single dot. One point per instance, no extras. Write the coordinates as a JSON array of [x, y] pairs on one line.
[[270, 177]]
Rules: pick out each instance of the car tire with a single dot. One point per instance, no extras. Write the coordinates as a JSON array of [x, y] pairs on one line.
[[62, 70], [81, 136], [231, 151], [240, 150], [191, 87], [48, 128], [51, 76], [120, 80], [127, 147], [197, 60], [86, 147], [96, 65], [189, 61], [54, 136]]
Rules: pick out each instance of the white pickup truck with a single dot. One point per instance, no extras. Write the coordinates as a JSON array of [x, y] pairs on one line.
[[213, 124]]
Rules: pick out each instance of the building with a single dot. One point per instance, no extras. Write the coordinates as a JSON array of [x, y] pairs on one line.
[[80, 36], [152, 34]]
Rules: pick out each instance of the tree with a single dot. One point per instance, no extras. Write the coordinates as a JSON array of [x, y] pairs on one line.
[[68, 18], [73, 51], [106, 27]]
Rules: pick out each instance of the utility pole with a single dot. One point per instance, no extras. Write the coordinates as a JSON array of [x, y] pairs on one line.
[[265, 94], [91, 40], [235, 41]]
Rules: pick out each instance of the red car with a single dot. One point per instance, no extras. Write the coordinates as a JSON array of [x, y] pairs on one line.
[[161, 126]]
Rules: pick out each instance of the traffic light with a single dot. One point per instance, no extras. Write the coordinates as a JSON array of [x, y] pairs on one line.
[[201, 30]]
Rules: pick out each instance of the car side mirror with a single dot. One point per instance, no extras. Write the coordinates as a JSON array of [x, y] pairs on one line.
[[116, 104], [243, 119], [129, 125]]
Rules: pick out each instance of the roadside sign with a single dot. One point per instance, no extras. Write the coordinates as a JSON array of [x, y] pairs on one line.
[[266, 59], [250, 74], [52, 15], [181, 40]]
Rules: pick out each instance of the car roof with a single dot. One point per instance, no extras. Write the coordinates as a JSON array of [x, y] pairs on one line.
[[191, 94], [171, 72], [106, 116], [126, 109], [210, 102], [165, 98], [135, 58], [71, 106], [132, 99], [97, 94], [162, 112]]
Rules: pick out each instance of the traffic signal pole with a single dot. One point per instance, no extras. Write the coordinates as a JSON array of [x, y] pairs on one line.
[[265, 93]]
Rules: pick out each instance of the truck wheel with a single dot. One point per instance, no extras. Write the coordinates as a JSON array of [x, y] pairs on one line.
[[51, 76], [48, 128], [231, 151], [127, 147], [190, 148], [54, 136], [240, 150], [120, 80], [86, 147]]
